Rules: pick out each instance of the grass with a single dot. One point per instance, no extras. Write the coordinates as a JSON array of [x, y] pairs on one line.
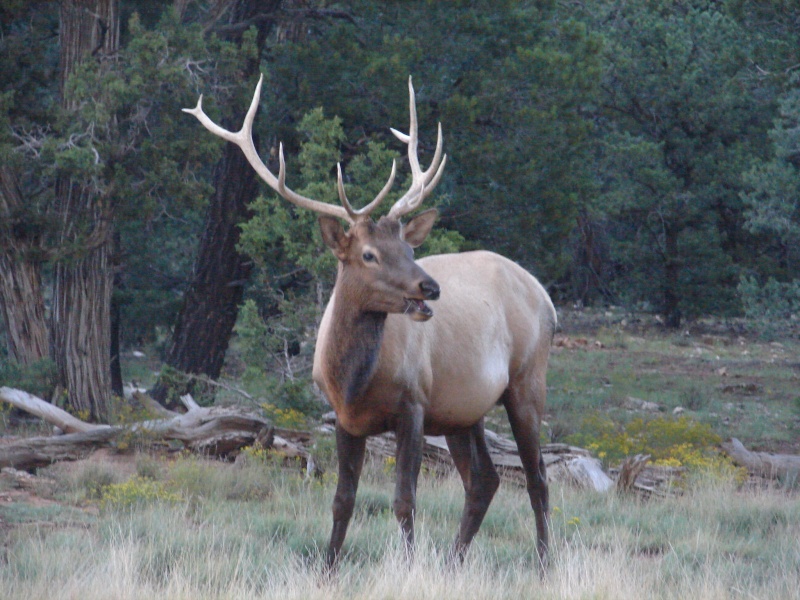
[[713, 542], [147, 527], [742, 388]]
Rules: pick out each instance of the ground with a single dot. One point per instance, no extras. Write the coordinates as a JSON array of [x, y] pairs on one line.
[[607, 363]]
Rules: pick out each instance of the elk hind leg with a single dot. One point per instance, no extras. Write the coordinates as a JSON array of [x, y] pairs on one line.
[[480, 478], [524, 404]]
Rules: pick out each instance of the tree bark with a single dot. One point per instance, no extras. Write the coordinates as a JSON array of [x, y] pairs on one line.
[[22, 307], [81, 328], [21, 297], [115, 325], [87, 28]]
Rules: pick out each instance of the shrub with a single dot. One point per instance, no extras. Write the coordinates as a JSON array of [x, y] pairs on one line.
[[680, 442], [137, 490], [290, 418], [770, 305], [93, 479]]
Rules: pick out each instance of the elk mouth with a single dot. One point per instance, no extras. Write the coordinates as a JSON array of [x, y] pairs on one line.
[[417, 309]]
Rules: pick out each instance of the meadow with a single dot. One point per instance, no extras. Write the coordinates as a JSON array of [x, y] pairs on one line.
[[193, 528], [155, 524]]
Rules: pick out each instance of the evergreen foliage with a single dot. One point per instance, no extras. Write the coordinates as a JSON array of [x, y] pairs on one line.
[[643, 154]]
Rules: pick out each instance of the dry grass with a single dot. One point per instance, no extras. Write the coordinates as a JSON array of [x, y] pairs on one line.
[[714, 542]]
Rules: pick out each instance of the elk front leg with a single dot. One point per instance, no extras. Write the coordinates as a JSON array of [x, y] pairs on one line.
[[409, 433], [350, 450]]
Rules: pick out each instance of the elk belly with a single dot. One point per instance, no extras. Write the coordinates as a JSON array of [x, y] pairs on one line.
[[462, 398]]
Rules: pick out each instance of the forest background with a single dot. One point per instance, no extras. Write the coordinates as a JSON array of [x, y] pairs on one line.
[[637, 154]]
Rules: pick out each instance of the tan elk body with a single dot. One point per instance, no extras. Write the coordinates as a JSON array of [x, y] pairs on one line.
[[386, 362], [488, 342]]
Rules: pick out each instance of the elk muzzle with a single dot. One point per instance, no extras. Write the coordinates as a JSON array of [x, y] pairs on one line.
[[416, 307]]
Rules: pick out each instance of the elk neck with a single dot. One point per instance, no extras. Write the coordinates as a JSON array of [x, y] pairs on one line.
[[354, 342]]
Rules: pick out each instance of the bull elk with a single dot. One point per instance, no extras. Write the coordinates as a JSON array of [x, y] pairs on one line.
[[385, 363]]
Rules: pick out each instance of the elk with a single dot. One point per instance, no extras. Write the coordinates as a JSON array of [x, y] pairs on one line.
[[386, 363]]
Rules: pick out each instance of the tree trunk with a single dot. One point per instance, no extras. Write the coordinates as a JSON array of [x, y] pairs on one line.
[[670, 287], [81, 328], [116, 323], [588, 260], [217, 431], [22, 307], [211, 304], [225, 431], [87, 28], [21, 298]]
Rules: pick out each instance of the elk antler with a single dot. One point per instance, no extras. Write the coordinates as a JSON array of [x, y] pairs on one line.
[[422, 182], [410, 200]]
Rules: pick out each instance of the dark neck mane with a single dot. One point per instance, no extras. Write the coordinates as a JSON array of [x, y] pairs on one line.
[[356, 339]]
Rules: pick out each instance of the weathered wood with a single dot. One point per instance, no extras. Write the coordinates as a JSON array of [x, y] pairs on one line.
[[22, 479], [214, 431], [152, 406], [629, 471], [763, 464], [44, 410], [30, 453], [225, 430], [581, 471], [565, 464]]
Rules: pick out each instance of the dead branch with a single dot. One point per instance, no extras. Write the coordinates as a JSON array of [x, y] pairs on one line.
[[44, 410], [217, 431], [764, 464], [629, 471]]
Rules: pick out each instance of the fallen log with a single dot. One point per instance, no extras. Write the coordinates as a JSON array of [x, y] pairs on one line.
[[216, 431], [29, 453], [564, 463], [785, 467], [44, 410], [222, 431]]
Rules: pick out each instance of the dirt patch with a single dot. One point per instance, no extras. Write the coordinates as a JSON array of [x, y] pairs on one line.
[[22, 492], [26, 496], [123, 464]]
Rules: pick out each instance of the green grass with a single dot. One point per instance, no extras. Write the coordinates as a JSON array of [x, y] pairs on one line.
[[713, 542], [742, 388]]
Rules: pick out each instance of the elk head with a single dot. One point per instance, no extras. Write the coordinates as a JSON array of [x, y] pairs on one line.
[[376, 259], [377, 264]]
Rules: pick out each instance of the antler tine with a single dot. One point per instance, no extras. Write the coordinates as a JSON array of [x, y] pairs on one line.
[[364, 212], [342, 196], [422, 182], [244, 139]]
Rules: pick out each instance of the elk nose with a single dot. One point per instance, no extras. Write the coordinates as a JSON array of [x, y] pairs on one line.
[[430, 289]]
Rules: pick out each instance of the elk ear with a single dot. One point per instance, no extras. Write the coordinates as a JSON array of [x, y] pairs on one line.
[[418, 228], [334, 236]]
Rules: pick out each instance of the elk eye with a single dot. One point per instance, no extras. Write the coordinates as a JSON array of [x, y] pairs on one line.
[[368, 256]]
